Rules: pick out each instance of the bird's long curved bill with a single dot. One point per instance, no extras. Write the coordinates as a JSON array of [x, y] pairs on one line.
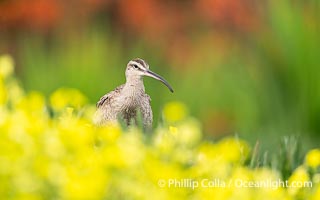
[[159, 78]]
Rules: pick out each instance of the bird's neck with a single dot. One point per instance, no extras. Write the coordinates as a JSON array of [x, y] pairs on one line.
[[134, 86]]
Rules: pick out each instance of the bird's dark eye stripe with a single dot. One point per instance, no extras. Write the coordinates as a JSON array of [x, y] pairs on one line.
[[135, 66]]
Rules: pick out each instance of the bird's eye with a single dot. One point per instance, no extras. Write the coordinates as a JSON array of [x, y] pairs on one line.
[[136, 66]]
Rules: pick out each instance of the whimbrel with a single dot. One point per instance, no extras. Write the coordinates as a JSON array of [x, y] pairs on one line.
[[126, 100]]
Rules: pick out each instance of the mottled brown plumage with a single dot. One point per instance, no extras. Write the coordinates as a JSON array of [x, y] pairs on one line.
[[126, 100]]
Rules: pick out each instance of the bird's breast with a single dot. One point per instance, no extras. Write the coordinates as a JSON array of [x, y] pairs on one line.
[[129, 101]]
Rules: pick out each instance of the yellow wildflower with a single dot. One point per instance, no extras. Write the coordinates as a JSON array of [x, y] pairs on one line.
[[3, 93], [84, 182], [189, 132], [165, 140], [298, 181], [316, 178], [64, 97], [312, 158], [175, 111], [268, 184], [15, 92], [233, 150], [239, 183], [316, 194], [173, 130], [108, 134], [6, 65]]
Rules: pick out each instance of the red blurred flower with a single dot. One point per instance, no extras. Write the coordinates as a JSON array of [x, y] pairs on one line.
[[238, 14], [44, 14], [29, 13]]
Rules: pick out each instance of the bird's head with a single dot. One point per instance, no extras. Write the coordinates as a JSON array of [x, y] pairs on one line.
[[137, 68]]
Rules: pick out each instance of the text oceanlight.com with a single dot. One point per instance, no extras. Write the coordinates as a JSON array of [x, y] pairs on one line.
[[238, 183]]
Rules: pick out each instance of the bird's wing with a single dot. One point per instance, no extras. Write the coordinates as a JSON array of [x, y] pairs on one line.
[[147, 97], [105, 99], [146, 111]]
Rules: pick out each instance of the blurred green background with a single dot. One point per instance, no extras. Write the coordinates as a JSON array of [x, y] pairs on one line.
[[245, 67]]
